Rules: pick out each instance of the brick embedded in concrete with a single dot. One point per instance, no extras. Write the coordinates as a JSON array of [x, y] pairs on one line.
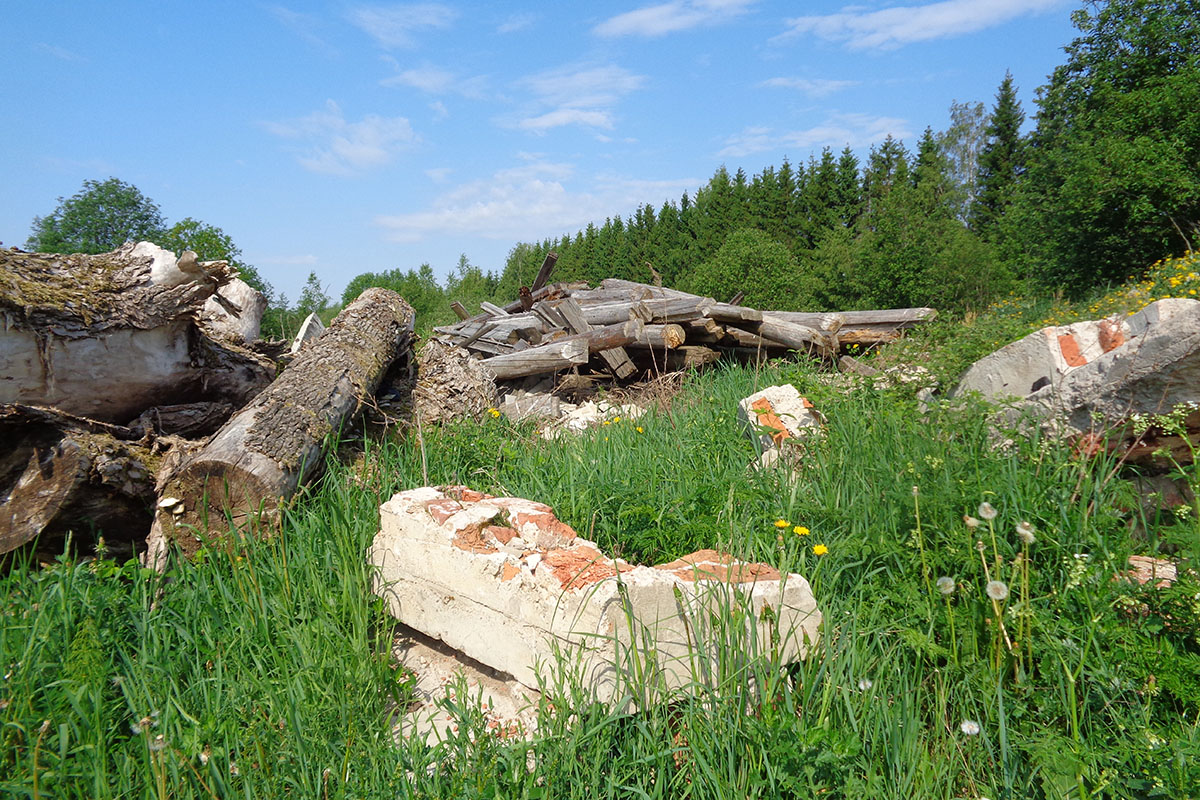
[[506, 582]]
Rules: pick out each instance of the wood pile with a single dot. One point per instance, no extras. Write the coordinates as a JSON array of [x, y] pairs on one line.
[[628, 329]]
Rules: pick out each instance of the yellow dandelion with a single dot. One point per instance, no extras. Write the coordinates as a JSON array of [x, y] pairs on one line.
[[800, 530], [616, 419], [820, 550], [495, 412], [782, 523], [639, 429]]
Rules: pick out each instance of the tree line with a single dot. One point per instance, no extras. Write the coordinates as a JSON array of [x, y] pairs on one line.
[[1105, 183]]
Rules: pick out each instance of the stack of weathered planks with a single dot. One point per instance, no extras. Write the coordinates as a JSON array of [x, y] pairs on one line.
[[631, 328]]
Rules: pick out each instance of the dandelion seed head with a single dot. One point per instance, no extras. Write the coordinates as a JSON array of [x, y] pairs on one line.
[[945, 585], [864, 684], [158, 743], [997, 590], [970, 727], [987, 511], [1025, 533], [970, 522]]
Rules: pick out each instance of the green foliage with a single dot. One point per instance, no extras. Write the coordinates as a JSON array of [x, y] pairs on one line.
[[1114, 169], [101, 216], [419, 287], [1002, 162], [314, 299], [750, 261]]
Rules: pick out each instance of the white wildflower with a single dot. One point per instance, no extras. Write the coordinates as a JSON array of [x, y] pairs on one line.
[[970, 727]]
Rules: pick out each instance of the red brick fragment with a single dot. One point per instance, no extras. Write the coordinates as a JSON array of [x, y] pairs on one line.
[[1070, 350], [714, 565], [769, 419], [1111, 335], [501, 533]]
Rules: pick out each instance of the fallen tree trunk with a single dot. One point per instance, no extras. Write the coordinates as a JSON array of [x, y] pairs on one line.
[[107, 336], [275, 442], [61, 474]]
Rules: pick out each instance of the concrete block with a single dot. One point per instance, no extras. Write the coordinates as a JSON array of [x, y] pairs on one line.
[[505, 582]]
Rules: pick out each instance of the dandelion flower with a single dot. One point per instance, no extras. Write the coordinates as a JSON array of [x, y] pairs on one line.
[[997, 590], [616, 419], [782, 523], [970, 522], [970, 727], [1025, 533], [820, 549], [945, 585], [916, 490], [987, 511], [495, 412], [639, 429], [800, 530]]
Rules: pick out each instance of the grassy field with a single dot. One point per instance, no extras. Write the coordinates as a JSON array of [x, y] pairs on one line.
[[993, 656]]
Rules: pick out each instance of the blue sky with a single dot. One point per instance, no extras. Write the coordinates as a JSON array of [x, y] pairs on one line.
[[351, 137]]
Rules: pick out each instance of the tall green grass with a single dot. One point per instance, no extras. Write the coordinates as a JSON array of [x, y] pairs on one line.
[[263, 668]]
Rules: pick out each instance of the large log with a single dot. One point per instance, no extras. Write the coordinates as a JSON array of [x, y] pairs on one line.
[[274, 443], [666, 337], [796, 337], [107, 336], [551, 357]]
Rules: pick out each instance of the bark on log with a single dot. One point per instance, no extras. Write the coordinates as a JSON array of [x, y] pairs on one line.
[[545, 358], [107, 336], [725, 312], [543, 274], [678, 309], [274, 443]]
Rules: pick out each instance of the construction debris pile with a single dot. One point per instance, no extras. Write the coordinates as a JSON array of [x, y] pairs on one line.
[[627, 331]]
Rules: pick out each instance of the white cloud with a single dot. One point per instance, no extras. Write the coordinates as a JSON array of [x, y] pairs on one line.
[[394, 25], [435, 80], [856, 130], [438, 174], [530, 201], [328, 143], [440, 112], [889, 28], [303, 25], [568, 116], [577, 95], [61, 53], [516, 22], [813, 87], [678, 15]]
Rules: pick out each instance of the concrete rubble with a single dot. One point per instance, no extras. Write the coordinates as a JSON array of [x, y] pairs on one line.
[[505, 582], [778, 417], [1100, 371]]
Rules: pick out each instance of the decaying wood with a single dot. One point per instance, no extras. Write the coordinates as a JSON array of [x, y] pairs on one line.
[[531, 339], [459, 310], [276, 441], [667, 336], [107, 336], [543, 274], [616, 357], [61, 474], [539, 360]]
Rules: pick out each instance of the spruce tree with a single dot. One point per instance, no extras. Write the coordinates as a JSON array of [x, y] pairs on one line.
[[1002, 161]]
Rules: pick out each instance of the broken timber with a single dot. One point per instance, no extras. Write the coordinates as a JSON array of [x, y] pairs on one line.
[[538, 334]]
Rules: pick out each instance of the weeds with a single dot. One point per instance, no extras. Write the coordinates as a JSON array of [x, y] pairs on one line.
[[1022, 670]]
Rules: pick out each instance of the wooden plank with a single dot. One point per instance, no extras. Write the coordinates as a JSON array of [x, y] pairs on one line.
[[616, 357], [460, 310], [891, 317], [543, 274], [493, 309], [539, 360], [644, 291]]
